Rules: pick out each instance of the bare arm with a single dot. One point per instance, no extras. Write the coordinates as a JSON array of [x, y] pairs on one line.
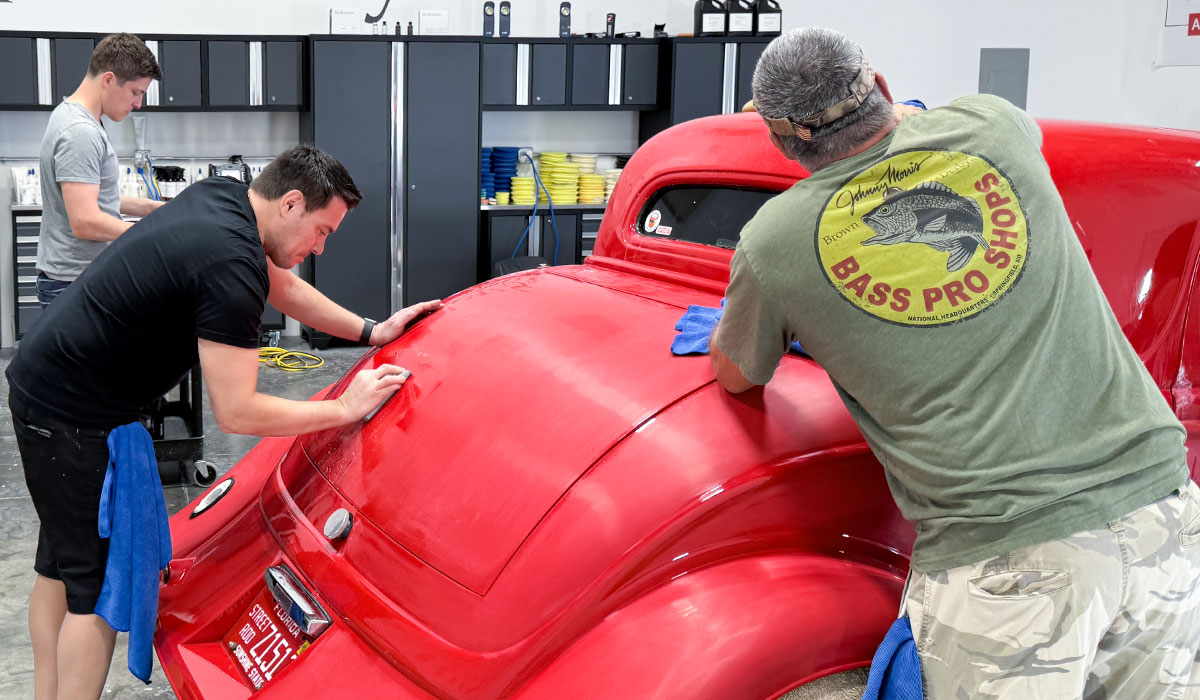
[[138, 206], [231, 374], [87, 221], [299, 300], [728, 375]]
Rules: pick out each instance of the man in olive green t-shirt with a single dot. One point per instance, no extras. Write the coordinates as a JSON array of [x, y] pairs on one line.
[[929, 266]]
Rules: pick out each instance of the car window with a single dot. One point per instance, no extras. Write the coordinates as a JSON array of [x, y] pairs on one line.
[[701, 214]]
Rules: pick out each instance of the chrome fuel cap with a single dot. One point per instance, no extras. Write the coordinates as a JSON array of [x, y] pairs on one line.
[[338, 524]]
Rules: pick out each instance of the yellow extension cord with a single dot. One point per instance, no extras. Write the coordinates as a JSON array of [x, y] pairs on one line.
[[289, 360]]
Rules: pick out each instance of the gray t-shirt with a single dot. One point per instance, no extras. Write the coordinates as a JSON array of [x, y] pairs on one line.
[[75, 149]]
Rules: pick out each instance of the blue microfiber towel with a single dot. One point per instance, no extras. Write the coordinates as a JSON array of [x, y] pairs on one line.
[[696, 328], [896, 668], [133, 516]]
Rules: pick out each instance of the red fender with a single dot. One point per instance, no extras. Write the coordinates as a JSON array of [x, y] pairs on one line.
[[748, 629]]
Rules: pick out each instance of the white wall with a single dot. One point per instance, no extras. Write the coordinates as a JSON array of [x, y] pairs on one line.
[[1089, 59], [588, 132]]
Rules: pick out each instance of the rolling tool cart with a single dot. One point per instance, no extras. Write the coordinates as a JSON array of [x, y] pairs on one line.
[[181, 459]]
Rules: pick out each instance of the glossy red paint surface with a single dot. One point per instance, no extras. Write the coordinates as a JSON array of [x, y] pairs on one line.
[[555, 507]]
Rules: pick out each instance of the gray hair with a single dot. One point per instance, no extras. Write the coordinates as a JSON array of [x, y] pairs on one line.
[[805, 71]]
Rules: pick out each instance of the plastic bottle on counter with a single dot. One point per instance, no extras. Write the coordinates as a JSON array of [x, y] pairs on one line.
[[741, 17], [710, 16], [29, 191], [768, 18]]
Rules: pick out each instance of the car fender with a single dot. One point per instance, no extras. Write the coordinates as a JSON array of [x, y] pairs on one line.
[[751, 628]]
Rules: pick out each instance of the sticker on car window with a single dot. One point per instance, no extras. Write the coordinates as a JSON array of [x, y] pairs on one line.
[[652, 221], [664, 230]]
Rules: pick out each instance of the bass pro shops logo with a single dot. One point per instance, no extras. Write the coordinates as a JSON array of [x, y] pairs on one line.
[[924, 238]]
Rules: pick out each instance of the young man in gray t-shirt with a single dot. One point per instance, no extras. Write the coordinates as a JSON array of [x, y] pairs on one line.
[[82, 205]]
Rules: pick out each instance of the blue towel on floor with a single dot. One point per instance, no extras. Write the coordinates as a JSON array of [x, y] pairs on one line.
[[896, 668], [133, 516], [696, 327]]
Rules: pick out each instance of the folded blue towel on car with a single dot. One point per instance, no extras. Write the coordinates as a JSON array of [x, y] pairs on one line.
[[896, 668], [133, 516], [696, 327]]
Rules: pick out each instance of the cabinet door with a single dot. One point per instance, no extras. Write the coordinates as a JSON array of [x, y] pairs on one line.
[[499, 75], [71, 60], [18, 79], [748, 55], [351, 120], [284, 66], [504, 233], [699, 75], [549, 83], [441, 199], [228, 74], [640, 85], [568, 238], [589, 74], [180, 63]]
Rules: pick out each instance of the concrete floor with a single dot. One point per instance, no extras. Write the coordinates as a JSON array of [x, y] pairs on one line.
[[19, 525]]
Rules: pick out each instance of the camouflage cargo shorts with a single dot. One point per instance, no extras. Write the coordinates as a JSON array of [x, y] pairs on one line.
[[1106, 614]]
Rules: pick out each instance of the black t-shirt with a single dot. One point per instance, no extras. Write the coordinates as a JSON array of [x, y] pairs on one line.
[[125, 332]]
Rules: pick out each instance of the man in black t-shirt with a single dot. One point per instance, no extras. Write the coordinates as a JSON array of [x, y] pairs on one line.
[[186, 284]]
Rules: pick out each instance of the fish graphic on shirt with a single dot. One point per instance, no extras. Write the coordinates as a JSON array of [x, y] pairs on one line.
[[933, 214]]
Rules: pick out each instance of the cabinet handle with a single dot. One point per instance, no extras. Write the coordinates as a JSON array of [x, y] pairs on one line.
[[171, 98], [272, 98]]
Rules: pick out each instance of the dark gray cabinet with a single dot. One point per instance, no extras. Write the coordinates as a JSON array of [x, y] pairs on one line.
[[560, 249], [26, 309], [748, 55], [71, 60], [441, 180], [228, 74], [180, 64], [640, 80], [503, 228], [698, 79], [548, 75], [283, 70], [696, 82], [18, 77], [351, 120], [499, 75], [589, 74]]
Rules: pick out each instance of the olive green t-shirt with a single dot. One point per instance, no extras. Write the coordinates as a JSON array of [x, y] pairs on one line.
[[937, 279]]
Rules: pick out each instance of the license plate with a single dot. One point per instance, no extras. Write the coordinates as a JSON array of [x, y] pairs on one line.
[[264, 640]]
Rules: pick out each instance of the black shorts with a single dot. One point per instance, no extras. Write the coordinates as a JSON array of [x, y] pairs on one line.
[[64, 469]]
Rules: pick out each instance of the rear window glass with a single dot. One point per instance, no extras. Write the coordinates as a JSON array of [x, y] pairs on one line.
[[701, 214]]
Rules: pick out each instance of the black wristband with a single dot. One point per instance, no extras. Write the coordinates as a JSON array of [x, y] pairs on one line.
[[368, 326]]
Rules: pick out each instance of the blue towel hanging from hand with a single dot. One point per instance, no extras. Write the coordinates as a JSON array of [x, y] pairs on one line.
[[696, 327], [133, 516], [896, 668]]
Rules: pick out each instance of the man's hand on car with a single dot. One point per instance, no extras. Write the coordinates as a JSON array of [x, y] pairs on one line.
[[389, 330]]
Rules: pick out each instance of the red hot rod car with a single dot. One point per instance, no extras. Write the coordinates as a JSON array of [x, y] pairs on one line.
[[556, 507]]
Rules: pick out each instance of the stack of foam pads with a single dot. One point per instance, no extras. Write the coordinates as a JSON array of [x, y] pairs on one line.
[[504, 167], [610, 182], [487, 179], [522, 191]]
